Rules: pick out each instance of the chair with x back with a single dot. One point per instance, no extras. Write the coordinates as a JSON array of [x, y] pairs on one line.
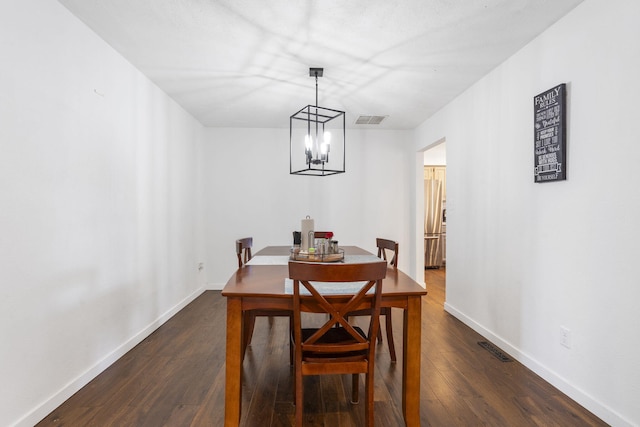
[[385, 245], [243, 251], [336, 347]]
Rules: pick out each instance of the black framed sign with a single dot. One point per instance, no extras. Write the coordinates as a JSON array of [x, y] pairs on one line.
[[550, 134]]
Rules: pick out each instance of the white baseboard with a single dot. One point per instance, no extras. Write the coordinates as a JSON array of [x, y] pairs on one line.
[[214, 286], [45, 408], [602, 411]]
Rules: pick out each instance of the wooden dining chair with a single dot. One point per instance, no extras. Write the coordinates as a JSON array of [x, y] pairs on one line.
[[384, 245], [336, 347], [243, 251]]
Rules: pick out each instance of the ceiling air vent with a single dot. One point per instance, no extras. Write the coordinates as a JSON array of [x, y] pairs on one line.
[[370, 120]]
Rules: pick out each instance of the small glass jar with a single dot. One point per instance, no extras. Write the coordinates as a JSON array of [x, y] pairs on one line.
[[322, 246]]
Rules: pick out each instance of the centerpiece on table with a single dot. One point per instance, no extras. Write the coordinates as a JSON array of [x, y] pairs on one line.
[[322, 248]]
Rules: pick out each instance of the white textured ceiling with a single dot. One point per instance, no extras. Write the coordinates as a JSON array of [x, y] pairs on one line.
[[245, 63]]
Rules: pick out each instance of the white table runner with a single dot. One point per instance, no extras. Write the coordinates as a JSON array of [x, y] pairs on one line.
[[269, 260], [284, 259], [328, 288]]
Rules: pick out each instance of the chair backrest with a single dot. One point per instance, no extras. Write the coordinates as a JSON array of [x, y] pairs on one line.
[[243, 250], [337, 306], [384, 245]]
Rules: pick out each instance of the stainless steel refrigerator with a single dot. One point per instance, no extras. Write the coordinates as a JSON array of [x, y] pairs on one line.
[[434, 232]]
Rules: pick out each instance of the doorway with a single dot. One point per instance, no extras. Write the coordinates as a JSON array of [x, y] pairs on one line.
[[435, 216], [435, 206]]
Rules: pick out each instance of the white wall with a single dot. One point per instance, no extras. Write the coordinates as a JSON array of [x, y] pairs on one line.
[[436, 155], [103, 225], [98, 199], [249, 192], [525, 259]]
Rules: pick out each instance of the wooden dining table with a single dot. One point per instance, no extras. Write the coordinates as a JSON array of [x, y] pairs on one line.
[[261, 285]]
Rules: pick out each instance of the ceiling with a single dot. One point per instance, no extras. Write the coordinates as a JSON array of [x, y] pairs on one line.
[[245, 63]]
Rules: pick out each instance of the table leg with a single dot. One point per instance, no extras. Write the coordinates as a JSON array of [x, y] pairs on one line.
[[233, 389], [411, 362]]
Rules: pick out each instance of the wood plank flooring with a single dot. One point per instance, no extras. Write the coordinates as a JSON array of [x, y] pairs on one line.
[[175, 377]]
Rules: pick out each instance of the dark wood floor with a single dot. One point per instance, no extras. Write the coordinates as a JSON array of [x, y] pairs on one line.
[[175, 377]]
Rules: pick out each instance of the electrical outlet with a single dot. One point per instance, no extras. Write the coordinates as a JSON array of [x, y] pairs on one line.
[[565, 337]]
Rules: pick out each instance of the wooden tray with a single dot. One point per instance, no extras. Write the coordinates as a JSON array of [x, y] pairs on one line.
[[305, 256]]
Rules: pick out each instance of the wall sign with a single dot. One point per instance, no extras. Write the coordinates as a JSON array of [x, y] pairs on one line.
[[550, 134]]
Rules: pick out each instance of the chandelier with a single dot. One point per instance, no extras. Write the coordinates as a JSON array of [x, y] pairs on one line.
[[316, 138]]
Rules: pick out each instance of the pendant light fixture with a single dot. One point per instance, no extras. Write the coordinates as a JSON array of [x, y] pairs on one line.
[[317, 138]]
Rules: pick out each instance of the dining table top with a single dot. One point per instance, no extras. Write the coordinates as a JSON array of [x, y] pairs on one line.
[[266, 278]]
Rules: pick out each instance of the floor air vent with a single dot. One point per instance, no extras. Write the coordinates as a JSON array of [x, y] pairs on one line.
[[503, 357]]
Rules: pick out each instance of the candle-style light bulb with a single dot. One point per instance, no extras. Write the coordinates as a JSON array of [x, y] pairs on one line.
[[327, 137], [326, 146]]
